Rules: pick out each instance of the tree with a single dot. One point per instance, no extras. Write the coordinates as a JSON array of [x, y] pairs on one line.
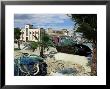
[[17, 33], [44, 42], [87, 24], [33, 45]]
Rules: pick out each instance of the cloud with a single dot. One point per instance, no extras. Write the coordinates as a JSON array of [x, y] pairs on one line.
[[42, 20]]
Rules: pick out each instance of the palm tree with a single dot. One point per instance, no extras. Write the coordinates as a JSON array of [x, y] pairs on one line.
[[34, 45], [44, 43], [17, 33]]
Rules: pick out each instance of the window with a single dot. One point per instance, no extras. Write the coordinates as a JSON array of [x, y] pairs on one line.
[[26, 38], [22, 32], [26, 31], [36, 32]]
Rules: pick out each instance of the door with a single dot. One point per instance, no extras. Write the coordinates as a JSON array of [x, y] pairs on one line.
[[26, 38]]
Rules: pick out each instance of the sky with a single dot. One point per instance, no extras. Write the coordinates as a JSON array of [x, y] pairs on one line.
[[54, 21]]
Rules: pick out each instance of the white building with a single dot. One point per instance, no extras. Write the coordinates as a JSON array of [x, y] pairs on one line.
[[62, 32], [29, 33]]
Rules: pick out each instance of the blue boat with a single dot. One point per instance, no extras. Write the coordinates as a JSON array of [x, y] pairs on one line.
[[30, 65]]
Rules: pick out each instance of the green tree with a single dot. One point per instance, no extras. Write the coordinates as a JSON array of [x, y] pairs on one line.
[[44, 42], [17, 33], [87, 24], [33, 45]]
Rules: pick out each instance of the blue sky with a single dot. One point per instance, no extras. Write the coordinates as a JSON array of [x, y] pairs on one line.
[[55, 21]]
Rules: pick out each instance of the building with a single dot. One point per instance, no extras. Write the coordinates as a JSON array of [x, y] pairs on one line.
[[65, 32], [62, 32], [29, 33]]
